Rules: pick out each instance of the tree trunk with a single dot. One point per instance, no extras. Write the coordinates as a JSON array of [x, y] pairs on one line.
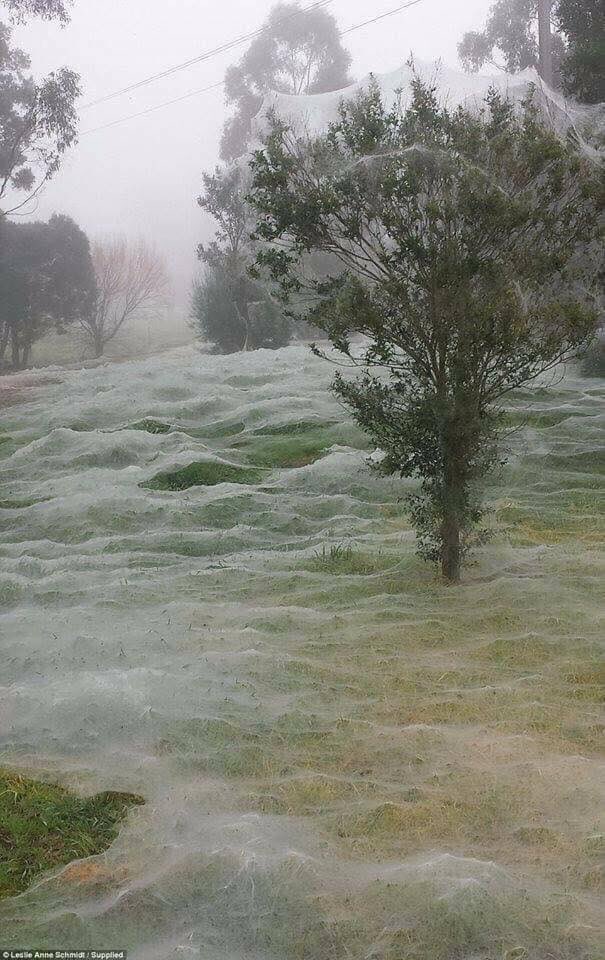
[[98, 346], [451, 553], [4, 342], [15, 352], [545, 31]]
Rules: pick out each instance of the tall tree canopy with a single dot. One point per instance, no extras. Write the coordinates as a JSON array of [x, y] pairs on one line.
[[463, 248], [47, 9], [38, 121], [510, 38], [583, 69], [297, 51]]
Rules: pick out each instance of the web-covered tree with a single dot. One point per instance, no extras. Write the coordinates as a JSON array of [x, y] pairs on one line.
[[229, 309], [37, 120], [46, 280], [296, 51], [464, 248]]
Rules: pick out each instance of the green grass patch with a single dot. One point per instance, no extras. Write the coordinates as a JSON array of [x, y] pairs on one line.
[[341, 559], [43, 826], [21, 504], [149, 425], [217, 430], [206, 473], [293, 429], [285, 452]]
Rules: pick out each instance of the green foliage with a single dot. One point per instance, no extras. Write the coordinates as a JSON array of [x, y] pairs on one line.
[[43, 826], [296, 52], [204, 474], [46, 279], [38, 121], [463, 250], [583, 69]]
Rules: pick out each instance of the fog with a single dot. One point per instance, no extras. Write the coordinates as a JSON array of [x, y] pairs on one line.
[[142, 176], [257, 700]]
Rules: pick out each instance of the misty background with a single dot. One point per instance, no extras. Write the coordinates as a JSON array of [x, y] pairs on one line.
[[141, 177]]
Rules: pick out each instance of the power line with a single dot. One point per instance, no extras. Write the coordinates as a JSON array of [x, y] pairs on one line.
[[221, 83], [222, 48], [381, 16], [158, 106]]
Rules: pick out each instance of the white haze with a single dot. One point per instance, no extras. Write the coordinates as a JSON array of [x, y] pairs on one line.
[[142, 177]]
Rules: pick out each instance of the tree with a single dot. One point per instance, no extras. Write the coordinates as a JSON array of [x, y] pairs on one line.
[[130, 278], [228, 308], [465, 246], [520, 31], [38, 121], [46, 9], [46, 280], [583, 69], [216, 318], [297, 51]]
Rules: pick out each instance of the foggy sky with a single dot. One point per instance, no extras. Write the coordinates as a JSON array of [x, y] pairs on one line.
[[142, 177]]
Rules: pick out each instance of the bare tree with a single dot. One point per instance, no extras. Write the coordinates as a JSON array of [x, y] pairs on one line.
[[131, 278]]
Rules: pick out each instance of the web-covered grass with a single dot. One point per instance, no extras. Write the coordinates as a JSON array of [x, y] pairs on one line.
[[341, 756]]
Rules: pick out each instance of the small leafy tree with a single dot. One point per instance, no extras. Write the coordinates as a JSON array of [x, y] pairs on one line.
[[229, 309], [216, 318], [297, 51], [46, 280], [130, 279], [462, 249]]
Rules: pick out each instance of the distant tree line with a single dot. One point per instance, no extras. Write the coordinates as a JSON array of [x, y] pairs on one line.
[[52, 278]]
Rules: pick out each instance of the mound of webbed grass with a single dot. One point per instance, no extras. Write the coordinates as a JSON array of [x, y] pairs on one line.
[[43, 826], [216, 431], [473, 919], [207, 473]]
